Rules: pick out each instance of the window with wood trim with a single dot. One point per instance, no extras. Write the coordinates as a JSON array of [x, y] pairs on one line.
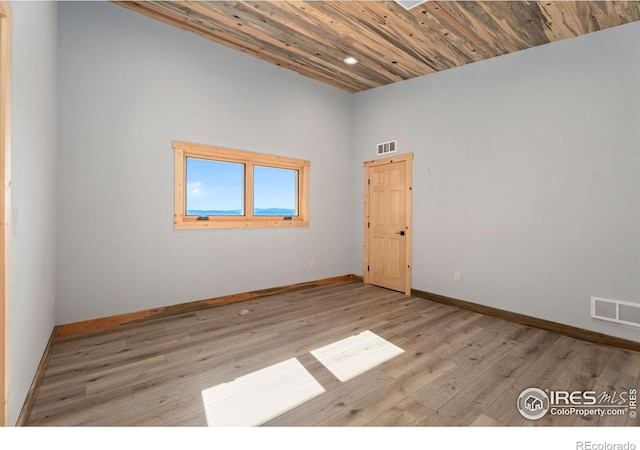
[[223, 188]]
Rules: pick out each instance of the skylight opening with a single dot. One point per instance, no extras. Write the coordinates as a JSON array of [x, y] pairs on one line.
[[410, 4]]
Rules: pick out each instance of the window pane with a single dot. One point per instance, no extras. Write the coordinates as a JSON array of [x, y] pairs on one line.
[[214, 188], [275, 191]]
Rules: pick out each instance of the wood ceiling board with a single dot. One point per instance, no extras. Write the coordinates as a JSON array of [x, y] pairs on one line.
[[438, 10], [595, 16], [298, 24], [253, 22], [493, 22], [391, 43], [428, 38], [627, 11], [151, 9], [562, 24], [365, 42]]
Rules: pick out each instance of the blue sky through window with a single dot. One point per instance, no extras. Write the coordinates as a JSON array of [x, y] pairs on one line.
[[214, 188], [275, 191]]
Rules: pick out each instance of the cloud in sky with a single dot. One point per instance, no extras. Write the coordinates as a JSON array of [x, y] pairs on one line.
[[194, 187]]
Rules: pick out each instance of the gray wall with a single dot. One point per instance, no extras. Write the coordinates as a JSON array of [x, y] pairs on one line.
[[526, 176], [128, 86], [33, 193]]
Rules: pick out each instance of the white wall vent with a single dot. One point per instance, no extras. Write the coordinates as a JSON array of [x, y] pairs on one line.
[[386, 148], [615, 311]]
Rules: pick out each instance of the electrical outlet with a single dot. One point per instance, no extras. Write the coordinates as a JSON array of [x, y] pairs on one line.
[[456, 275], [312, 262]]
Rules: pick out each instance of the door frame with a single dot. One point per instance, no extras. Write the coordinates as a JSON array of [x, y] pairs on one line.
[[408, 158], [5, 202]]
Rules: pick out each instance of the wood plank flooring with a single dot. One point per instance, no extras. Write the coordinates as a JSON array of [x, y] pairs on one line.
[[457, 368]]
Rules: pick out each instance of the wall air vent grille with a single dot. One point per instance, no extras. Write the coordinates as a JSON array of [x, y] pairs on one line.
[[387, 148], [617, 311]]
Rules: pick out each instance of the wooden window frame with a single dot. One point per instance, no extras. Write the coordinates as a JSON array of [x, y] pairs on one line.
[[184, 150]]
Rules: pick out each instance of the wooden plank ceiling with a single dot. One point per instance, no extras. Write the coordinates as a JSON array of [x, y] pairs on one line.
[[390, 43]]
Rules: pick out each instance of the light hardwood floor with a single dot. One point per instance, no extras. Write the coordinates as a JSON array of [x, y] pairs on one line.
[[458, 368]]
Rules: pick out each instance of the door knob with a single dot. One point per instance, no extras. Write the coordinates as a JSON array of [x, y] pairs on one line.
[[401, 233]]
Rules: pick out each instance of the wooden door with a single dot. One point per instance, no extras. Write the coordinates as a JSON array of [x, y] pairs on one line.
[[5, 103], [387, 259]]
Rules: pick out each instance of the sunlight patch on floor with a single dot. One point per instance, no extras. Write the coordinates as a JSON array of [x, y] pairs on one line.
[[355, 355], [260, 396]]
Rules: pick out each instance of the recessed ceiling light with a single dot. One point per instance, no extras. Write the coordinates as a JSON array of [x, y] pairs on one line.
[[350, 60]]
